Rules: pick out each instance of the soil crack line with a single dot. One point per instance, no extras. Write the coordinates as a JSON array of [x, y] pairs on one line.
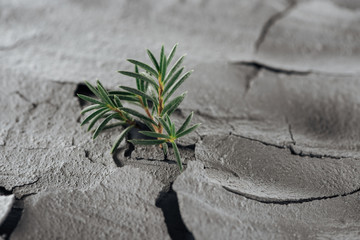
[[271, 21], [287, 202], [169, 204], [290, 146], [259, 65]]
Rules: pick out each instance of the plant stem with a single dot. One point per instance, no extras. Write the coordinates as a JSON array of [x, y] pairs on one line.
[[147, 112], [128, 121]]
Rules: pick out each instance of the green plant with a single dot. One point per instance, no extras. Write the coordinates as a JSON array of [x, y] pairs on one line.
[[153, 93]]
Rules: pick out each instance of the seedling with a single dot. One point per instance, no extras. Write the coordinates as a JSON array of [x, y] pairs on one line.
[[154, 91]]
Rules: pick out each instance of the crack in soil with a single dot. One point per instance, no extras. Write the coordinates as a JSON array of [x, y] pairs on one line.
[[169, 204], [287, 202], [260, 141], [271, 21], [22, 96], [259, 65], [26, 184], [291, 148]]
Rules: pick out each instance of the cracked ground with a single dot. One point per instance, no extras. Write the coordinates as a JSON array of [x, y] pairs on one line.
[[276, 87]]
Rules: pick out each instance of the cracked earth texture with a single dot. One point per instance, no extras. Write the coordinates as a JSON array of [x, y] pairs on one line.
[[276, 87]]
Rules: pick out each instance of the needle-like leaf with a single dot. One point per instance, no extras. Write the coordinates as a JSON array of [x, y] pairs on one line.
[[94, 114], [177, 85], [120, 93], [90, 108], [163, 68], [162, 54], [117, 101], [138, 82], [141, 77], [153, 59], [139, 93], [92, 89], [95, 119], [187, 131], [185, 124], [109, 126], [137, 114], [146, 141], [145, 67], [172, 129], [103, 124], [173, 104], [165, 148], [90, 99], [175, 67], [154, 134], [165, 125], [120, 138], [171, 82], [171, 54], [168, 120], [177, 155], [104, 94]]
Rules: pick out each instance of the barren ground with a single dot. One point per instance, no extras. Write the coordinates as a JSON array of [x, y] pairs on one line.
[[276, 87]]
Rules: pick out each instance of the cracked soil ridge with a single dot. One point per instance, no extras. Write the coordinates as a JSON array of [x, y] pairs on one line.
[[290, 201]]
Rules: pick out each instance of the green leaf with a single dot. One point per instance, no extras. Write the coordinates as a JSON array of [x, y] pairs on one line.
[[104, 94], [149, 125], [165, 148], [175, 67], [153, 59], [140, 77], [120, 138], [172, 129], [92, 123], [177, 85], [90, 99], [162, 58], [138, 82], [91, 107], [165, 125], [154, 134], [186, 123], [177, 155], [94, 114], [171, 82], [168, 120], [92, 89], [103, 124], [129, 98], [146, 141], [109, 126], [120, 93], [137, 114], [171, 54], [187, 131], [173, 104], [163, 64], [117, 101], [139, 93], [145, 67]]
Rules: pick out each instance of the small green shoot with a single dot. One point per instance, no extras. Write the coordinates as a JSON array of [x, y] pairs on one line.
[[155, 87]]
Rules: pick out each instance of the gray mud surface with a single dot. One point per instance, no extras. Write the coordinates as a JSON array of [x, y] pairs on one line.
[[276, 87]]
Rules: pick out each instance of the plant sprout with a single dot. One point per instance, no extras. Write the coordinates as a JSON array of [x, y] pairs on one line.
[[155, 87]]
